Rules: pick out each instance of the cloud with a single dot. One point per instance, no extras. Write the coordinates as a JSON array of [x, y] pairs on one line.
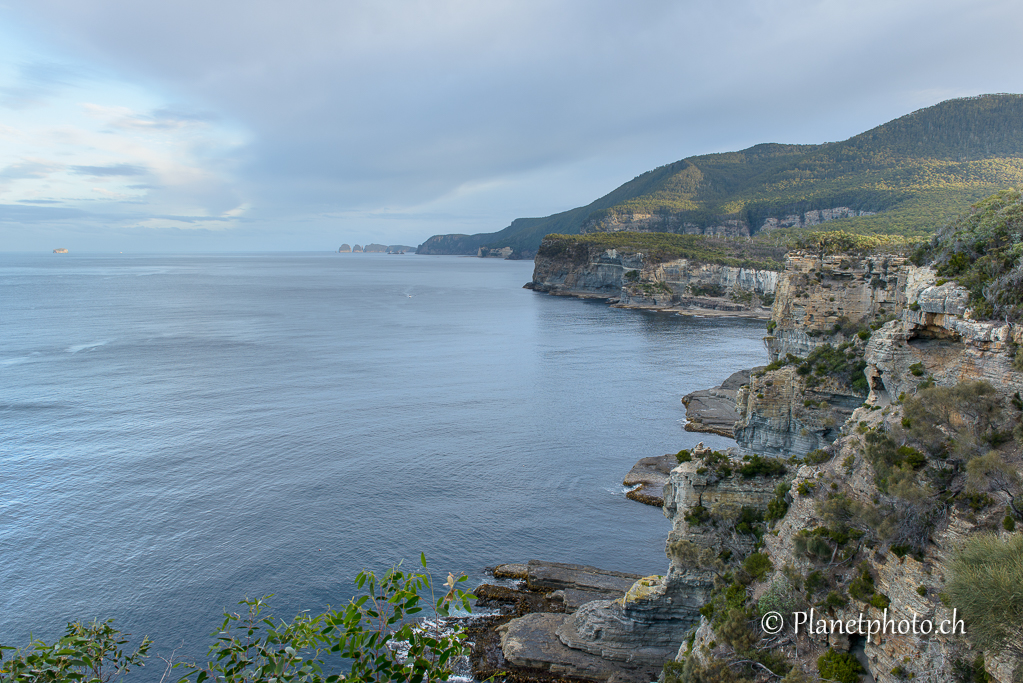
[[29, 168], [13, 213], [112, 170], [435, 109]]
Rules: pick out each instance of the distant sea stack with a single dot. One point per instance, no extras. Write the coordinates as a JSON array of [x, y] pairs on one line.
[[375, 248], [356, 249], [60, 251], [345, 249]]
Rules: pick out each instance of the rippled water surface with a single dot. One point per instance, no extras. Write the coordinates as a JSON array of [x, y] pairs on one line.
[[177, 433]]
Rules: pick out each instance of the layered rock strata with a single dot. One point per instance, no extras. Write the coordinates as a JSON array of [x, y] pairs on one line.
[[632, 279], [631, 636], [713, 411], [648, 477]]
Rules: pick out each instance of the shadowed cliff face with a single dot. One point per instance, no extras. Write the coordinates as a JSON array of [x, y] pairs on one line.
[[635, 279]]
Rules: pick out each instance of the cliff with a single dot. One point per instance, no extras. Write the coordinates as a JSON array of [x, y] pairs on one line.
[[666, 274]]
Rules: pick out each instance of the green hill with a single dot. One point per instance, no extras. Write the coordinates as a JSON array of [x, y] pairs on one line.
[[905, 177]]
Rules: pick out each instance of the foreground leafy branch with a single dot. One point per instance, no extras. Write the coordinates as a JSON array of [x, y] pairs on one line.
[[376, 637]]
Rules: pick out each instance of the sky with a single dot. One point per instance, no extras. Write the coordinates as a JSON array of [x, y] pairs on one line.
[[230, 125]]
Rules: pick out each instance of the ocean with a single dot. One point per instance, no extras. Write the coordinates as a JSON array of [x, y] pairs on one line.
[[181, 432]]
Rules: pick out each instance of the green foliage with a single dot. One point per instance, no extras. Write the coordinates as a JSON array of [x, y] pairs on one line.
[[862, 587], [880, 601], [777, 508], [818, 457], [756, 565], [661, 246], [86, 652], [986, 575], [983, 251], [891, 462], [833, 601], [971, 672], [750, 522], [683, 456], [972, 411], [722, 601], [916, 369], [762, 467], [697, 515], [839, 666], [844, 362], [374, 634], [1008, 523], [814, 581], [780, 597]]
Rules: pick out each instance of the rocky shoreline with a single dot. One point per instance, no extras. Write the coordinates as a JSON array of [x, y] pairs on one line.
[[800, 514]]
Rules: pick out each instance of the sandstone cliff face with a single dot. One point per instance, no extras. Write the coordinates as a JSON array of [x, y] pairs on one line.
[[600, 275], [635, 280], [814, 294], [651, 622], [726, 227], [938, 340], [912, 584], [774, 418]]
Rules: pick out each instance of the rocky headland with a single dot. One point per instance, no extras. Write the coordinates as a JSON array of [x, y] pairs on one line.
[[881, 442]]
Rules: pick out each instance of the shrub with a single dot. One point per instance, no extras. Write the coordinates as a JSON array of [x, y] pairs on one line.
[[683, 456], [756, 565], [839, 666], [814, 580], [833, 601], [253, 648], [985, 578], [762, 467], [777, 508], [818, 457], [880, 601], [862, 587]]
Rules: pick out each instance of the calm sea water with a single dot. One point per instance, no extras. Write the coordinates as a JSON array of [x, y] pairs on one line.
[[180, 432]]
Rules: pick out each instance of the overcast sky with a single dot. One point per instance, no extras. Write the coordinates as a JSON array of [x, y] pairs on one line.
[[198, 125]]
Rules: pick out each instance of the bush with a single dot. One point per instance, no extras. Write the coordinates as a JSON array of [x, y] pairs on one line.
[[777, 508], [683, 456], [756, 565], [252, 647], [762, 467], [985, 578], [818, 457], [839, 666]]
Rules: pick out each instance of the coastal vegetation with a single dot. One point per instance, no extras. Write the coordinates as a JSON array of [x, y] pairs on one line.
[[983, 251], [376, 636], [660, 246]]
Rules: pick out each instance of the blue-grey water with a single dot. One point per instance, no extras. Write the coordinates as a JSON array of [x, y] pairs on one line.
[[180, 432]]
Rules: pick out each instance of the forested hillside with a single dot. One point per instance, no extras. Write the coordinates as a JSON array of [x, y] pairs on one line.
[[905, 177]]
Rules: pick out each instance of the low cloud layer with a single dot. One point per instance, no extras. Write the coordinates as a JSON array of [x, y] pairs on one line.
[[302, 125]]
